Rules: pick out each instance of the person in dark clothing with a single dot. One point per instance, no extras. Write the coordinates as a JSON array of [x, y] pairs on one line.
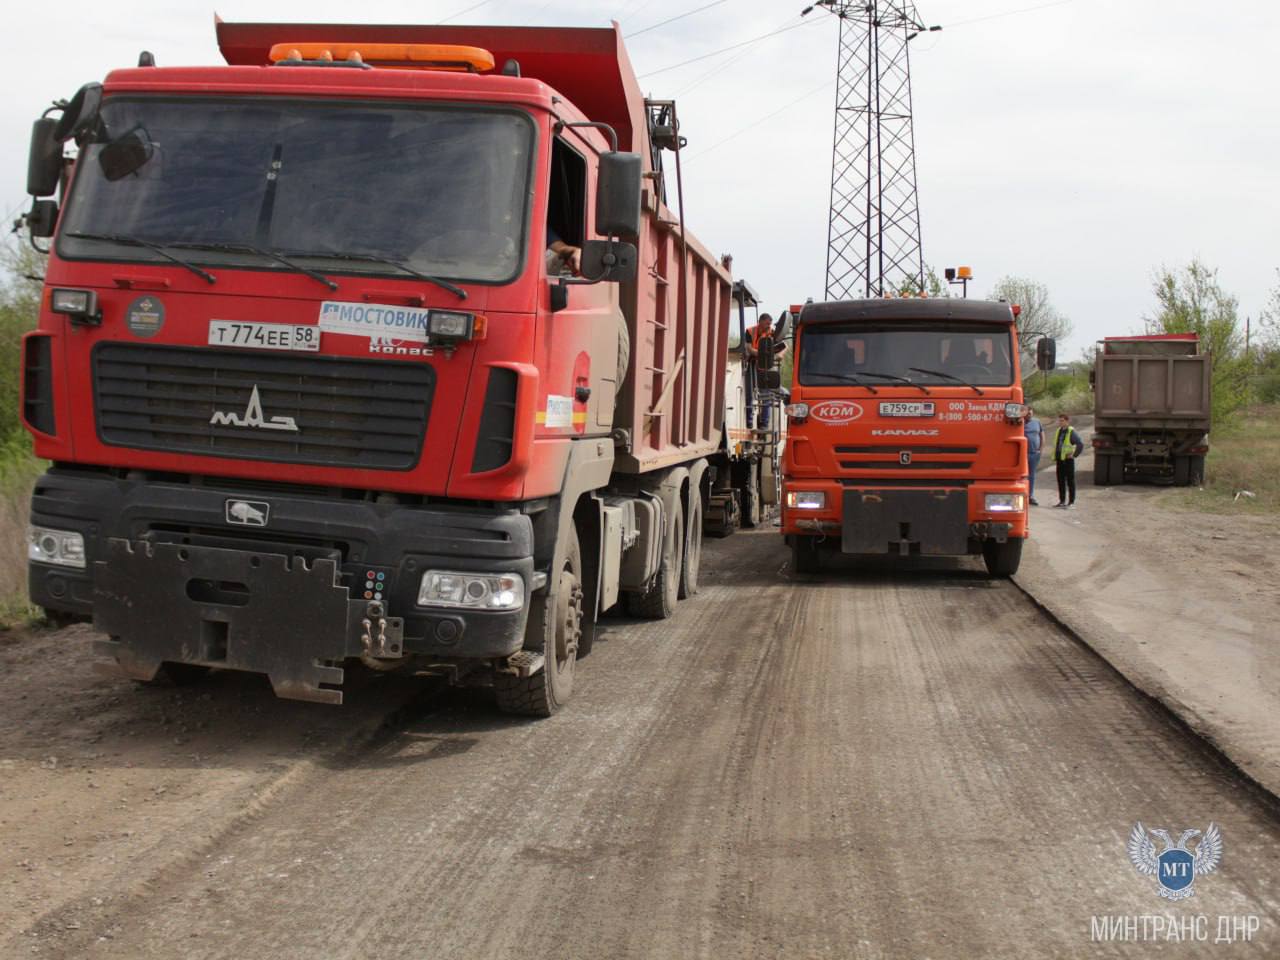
[[1067, 445]]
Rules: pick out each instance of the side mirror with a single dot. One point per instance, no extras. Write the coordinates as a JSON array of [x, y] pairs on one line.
[[1046, 353], [42, 218], [618, 195], [44, 160], [764, 354], [80, 117], [769, 379], [126, 154], [609, 260]]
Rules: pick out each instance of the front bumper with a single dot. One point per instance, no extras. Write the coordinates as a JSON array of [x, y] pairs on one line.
[[942, 520], [170, 578]]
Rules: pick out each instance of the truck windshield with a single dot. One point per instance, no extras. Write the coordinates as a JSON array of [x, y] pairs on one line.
[[442, 191], [973, 353]]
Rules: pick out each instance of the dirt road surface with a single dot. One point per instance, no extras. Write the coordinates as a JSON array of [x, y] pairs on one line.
[[881, 761]]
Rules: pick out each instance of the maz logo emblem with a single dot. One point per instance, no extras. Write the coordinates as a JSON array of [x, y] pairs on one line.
[[253, 417], [248, 513]]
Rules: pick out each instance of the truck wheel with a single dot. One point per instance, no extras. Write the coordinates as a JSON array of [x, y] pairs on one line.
[[805, 556], [1002, 559], [1117, 469], [1181, 471], [659, 601], [1197, 471], [692, 549], [558, 636], [1102, 469]]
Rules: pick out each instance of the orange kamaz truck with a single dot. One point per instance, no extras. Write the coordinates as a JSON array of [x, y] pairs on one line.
[[905, 432]]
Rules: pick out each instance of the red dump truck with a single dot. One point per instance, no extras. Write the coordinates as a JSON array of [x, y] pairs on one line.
[[376, 343], [1152, 409]]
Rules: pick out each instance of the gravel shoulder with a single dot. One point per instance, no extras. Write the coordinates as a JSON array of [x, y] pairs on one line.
[[105, 783], [1185, 605]]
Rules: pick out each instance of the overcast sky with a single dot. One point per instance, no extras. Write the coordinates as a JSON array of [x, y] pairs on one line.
[[1081, 143]]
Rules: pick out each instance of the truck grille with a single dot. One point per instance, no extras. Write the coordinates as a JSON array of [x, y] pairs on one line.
[[921, 457], [332, 411]]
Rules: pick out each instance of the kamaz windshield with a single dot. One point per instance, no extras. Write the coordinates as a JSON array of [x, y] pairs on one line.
[[935, 354], [442, 191]]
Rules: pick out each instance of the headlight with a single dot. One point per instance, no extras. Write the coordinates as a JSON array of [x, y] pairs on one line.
[[471, 591], [797, 410], [1003, 503], [61, 547], [449, 325], [1015, 411], [806, 499]]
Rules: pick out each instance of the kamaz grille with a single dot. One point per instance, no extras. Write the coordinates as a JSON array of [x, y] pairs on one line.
[[332, 411]]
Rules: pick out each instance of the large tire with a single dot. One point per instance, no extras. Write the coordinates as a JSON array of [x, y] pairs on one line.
[[1197, 471], [805, 555], [1182, 471], [1002, 559], [692, 560], [1102, 469], [1117, 470], [659, 601], [555, 628]]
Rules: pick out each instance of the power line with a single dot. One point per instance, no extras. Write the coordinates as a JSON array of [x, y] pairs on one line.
[[689, 13], [474, 6], [732, 46], [755, 123], [1008, 13], [724, 66]]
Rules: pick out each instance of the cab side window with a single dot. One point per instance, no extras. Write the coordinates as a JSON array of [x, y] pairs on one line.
[[566, 206]]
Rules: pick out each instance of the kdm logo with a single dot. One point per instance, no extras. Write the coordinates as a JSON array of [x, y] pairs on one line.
[[836, 411]]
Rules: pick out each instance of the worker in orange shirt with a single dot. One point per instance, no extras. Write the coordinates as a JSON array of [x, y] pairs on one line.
[[755, 334]]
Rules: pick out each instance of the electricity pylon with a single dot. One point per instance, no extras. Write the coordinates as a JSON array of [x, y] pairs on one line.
[[873, 231]]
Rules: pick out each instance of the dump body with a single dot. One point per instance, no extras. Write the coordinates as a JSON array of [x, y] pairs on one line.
[[888, 451], [333, 359], [1152, 409]]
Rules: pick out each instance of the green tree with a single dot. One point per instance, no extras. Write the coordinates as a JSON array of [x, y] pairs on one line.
[[19, 310], [1191, 300], [933, 285], [1038, 317]]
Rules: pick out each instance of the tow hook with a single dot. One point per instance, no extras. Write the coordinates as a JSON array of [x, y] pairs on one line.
[[382, 637]]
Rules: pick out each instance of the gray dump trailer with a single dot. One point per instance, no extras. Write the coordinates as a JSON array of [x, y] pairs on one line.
[[1151, 409]]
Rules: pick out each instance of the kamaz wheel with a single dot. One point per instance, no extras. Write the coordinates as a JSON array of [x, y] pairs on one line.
[[1002, 559], [555, 629], [805, 555]]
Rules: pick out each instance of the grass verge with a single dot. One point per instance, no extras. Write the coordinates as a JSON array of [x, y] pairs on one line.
[[18, 472], [1243, 456]]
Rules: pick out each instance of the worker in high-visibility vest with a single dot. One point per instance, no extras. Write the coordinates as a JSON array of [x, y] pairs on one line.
[[1067, 445]]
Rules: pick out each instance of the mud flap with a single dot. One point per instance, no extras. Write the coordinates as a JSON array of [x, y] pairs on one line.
[[929, 522], [232, 609]]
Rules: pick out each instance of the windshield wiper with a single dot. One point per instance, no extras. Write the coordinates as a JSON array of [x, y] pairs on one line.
[[896, 379], [374, 258], [847, 378], [947, 376], [250, 248], [148, 244]]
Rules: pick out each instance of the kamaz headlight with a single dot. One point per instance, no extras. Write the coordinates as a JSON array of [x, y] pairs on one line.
[[64, 548], [806, 499], [471, 591], [1003, 503]]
